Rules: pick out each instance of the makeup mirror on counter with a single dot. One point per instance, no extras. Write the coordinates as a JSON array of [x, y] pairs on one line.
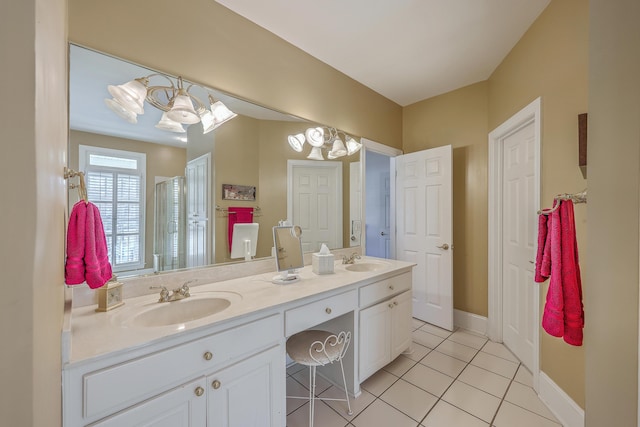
[[288, 253], [161, 193]]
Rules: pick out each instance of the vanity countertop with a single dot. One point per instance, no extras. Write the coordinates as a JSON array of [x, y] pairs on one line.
[[94, 334]]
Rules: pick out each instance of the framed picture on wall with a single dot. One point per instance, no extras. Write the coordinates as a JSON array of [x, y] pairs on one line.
[[238, 192]]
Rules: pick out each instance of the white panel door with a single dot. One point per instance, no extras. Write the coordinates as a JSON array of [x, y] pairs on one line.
[[198, 240], [316, 202], [519, 242], [425, 230]]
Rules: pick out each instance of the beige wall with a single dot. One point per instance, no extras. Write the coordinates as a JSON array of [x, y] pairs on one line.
[[550, 61], [34, 141], [459, 118], [611, 293], [162, 160]]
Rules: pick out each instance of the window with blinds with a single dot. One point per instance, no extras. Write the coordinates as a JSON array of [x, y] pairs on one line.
[[115, 184]]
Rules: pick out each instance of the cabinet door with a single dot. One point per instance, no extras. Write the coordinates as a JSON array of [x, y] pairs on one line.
[[375, 330], [400, 324], [185, 406], [249, 393]]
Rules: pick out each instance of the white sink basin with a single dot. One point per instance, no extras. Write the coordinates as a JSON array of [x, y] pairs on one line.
[[195, 307], [366, 266]]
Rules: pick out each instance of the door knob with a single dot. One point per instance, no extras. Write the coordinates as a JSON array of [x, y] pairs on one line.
[[382, 233], [353, 238], [444, 246]]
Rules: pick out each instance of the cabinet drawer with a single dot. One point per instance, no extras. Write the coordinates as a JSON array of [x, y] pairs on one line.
[[378, 291], [117, 387], [308, 315]]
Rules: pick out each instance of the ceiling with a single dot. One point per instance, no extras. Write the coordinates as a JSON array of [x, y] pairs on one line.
[[406, 50]]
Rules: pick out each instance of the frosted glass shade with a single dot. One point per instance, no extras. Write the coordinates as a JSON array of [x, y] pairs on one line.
[[208, 121], [315, 154], [352, 146], [182, 110], [166, 123], [130, 95], [338, 149], [315, 136], [296, 142], [121, 111], [221, 113]]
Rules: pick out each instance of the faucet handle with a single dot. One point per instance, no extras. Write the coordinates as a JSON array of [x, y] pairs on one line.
[[164, 293]]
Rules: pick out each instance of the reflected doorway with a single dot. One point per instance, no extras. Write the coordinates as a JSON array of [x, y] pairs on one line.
[[378, 202], [379, 199]]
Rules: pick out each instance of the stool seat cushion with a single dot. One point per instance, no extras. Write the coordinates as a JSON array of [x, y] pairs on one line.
[[325, 350]]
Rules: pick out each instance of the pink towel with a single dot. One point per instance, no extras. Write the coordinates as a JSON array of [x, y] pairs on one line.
[[87, 254], [563, 311], [74, 266], [238, 215], [542, 240]]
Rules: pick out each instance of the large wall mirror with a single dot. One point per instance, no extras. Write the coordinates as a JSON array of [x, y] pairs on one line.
[[161, 193]]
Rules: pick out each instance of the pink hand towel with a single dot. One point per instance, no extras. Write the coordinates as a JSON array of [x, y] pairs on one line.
[[563, 311], [542, 241], [96, 256], [74, 265], [87, 253], [238, 215]]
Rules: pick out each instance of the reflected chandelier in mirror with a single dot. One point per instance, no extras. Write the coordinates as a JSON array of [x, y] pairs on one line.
[[335, 142], [179, 105]]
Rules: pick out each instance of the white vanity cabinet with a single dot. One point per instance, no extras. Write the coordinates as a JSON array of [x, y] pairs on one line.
[[173, 384], [230, 371], [184, 406], [246, 393], [385, 326]]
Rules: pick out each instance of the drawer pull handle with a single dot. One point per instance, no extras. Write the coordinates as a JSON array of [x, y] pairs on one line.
[[216, 384], [390, 305], [208, 355], [327, 310], [199, 391], [395, 303], [391, 287]]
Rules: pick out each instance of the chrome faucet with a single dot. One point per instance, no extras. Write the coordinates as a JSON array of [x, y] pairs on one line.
[[351, 259], [180, 293]]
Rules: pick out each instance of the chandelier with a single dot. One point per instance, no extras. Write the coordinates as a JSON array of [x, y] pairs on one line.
[[179, 106], [330, 140]]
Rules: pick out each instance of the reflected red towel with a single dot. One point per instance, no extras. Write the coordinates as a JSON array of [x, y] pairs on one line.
[[563, 311], [238, 215]]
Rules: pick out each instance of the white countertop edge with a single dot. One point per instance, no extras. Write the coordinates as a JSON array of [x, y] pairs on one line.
[[90, 336]]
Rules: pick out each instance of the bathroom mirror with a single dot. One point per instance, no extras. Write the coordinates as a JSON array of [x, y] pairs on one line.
[[288, 252], [249, 150]]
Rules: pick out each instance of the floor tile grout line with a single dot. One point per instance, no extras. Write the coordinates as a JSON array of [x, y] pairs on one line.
[[447, 389], [503, 397]]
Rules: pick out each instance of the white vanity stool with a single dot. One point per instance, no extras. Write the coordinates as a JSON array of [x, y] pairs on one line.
[[315, 348]]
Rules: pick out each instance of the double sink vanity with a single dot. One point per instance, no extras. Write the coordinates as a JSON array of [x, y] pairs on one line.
[[217, 357]]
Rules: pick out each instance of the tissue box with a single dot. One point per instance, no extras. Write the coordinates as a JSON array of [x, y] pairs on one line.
[[322, 264]]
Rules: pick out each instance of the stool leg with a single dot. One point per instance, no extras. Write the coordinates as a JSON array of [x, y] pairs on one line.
[[346, 391], [312, 394]]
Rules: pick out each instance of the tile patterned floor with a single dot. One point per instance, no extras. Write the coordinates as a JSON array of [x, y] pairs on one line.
[[450, 379]]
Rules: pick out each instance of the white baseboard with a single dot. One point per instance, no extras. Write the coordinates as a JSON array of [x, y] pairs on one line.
[[568, 412], [469, 321]]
